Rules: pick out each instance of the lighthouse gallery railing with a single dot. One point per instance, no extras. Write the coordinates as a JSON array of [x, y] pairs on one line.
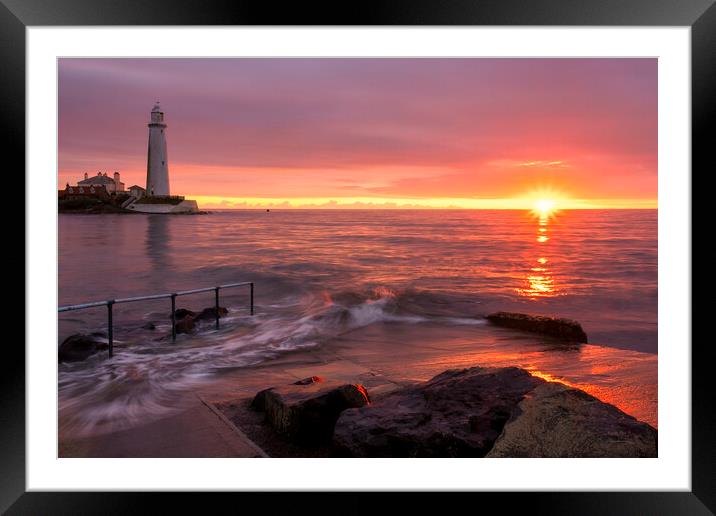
[[111, 302]]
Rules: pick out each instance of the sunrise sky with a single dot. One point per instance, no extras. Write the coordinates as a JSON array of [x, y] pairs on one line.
[[470, 133]]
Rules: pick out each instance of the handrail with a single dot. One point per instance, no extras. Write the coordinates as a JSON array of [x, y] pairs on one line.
[[111, 302], [141, 298], [80, 307]]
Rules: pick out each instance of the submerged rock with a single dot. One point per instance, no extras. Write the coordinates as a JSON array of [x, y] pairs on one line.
[[210, 313], [307, 412], [459, 413], [494, 412], [186, 319], [181, 313], [79, 347], [563, 329], [185, 325], [557, 421]]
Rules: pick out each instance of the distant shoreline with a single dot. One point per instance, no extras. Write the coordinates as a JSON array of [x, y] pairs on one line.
[[104, 209]]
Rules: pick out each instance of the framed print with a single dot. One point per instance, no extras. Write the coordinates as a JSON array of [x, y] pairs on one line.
[[418, 248]]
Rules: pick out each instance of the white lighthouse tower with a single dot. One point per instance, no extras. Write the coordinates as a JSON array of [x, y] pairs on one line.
[[158, 175], [157, 163]]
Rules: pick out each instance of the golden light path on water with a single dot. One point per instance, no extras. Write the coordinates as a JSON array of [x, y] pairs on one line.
[[539, 282]]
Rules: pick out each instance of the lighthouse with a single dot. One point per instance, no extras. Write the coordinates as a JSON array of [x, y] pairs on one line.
[[157, 163], [156, 199]]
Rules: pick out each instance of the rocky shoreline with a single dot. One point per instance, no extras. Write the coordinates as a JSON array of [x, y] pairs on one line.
[[100, 208], [473, 412], [94, 206], [354, 400]]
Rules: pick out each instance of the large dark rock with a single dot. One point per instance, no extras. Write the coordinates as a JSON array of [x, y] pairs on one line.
[[79, 347], [459, 413], [494, 412], [563, 329], [307, 412], [558, 421]]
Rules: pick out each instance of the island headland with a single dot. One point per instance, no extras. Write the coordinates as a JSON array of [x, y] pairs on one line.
[[107, 194]]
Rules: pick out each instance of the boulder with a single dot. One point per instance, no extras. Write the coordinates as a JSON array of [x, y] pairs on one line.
[[78, 347], [558, 421], [210, 313], [181, 313], [307, 412], [562, 329], [185, 325], [493, 412], [459, 413], [186, 319], [259, 402]]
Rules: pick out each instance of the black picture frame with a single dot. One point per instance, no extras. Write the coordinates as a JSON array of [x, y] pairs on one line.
[[17, 15]]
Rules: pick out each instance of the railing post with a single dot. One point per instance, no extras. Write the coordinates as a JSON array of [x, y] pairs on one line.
[[251, 296], [110, 332], [174, 322], [216, 292]]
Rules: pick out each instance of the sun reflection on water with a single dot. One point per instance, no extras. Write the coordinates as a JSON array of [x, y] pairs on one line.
[[539, 280]]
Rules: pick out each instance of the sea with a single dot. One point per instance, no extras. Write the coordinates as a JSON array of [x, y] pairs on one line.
[[319, 274]]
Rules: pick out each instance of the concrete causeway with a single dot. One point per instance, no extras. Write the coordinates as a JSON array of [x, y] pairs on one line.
[[199, 431]]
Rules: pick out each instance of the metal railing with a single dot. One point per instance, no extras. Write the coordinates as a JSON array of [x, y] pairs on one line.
[[173, 296]]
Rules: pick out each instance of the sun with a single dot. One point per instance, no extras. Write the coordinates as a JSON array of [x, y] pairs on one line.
[[545, 203], [544, 207]]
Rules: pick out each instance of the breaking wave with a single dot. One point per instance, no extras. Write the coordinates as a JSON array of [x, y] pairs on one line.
[[149, 376]]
